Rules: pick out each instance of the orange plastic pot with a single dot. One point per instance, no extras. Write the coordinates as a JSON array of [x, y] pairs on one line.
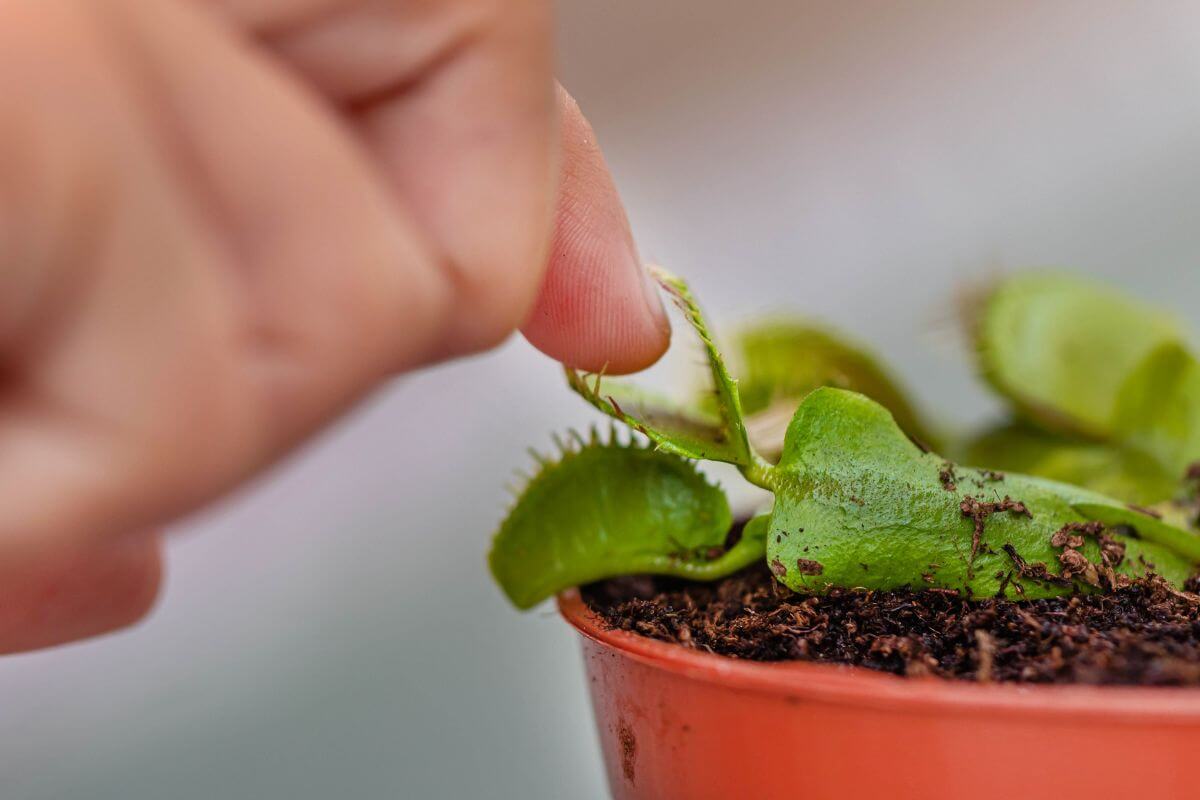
[[675, 724]]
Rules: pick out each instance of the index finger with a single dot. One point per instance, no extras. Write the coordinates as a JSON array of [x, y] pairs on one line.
[[598, 309]]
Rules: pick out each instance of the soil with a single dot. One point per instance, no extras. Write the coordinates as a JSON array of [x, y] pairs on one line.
[[1142, 633]]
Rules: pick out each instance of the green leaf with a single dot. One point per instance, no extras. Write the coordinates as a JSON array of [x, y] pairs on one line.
[[857, 504], [1158, 407], [780, 361], [719, 435], [1125, 474], [607, 509], [1060, 348]]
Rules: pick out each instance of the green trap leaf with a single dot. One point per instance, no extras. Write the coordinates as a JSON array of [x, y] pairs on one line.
[[1060, 348], [780, 361], [1158, 408], [606, 509]]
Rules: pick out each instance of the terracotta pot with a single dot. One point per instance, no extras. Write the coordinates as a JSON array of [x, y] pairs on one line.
[[676, 724]]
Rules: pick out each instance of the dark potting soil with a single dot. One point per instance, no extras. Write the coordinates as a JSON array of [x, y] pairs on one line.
[[1146, 633]]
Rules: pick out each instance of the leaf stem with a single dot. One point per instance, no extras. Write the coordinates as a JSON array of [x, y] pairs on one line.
[[760, 472]]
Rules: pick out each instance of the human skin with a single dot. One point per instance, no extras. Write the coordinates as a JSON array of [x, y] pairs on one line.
[[223, 222]]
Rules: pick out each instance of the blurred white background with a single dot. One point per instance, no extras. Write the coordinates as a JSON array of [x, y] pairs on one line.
[[333, 633]]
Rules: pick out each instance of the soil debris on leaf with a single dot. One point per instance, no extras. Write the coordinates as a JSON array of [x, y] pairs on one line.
[[920, 445], [1142, 633], [809, 567], [1075, 564], [948, 478], [1036, 571], [1149, 512], [978, 511]]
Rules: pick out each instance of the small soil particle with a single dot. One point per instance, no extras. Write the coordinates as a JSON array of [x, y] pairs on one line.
[[985, 652], [1142, 633]]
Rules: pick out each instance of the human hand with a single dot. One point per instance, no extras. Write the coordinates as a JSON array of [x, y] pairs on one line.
[[224, 221]]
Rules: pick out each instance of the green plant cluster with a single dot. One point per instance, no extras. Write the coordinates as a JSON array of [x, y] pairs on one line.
[[1105, 401]]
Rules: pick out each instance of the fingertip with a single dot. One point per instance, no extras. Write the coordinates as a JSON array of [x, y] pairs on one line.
[[595, 331], [598, 308], [76, 591]]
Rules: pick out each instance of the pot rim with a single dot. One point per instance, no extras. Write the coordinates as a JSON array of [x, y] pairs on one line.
[[799, 681]]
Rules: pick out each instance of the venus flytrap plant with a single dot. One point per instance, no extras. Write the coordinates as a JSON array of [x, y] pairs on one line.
[[857, 504]]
